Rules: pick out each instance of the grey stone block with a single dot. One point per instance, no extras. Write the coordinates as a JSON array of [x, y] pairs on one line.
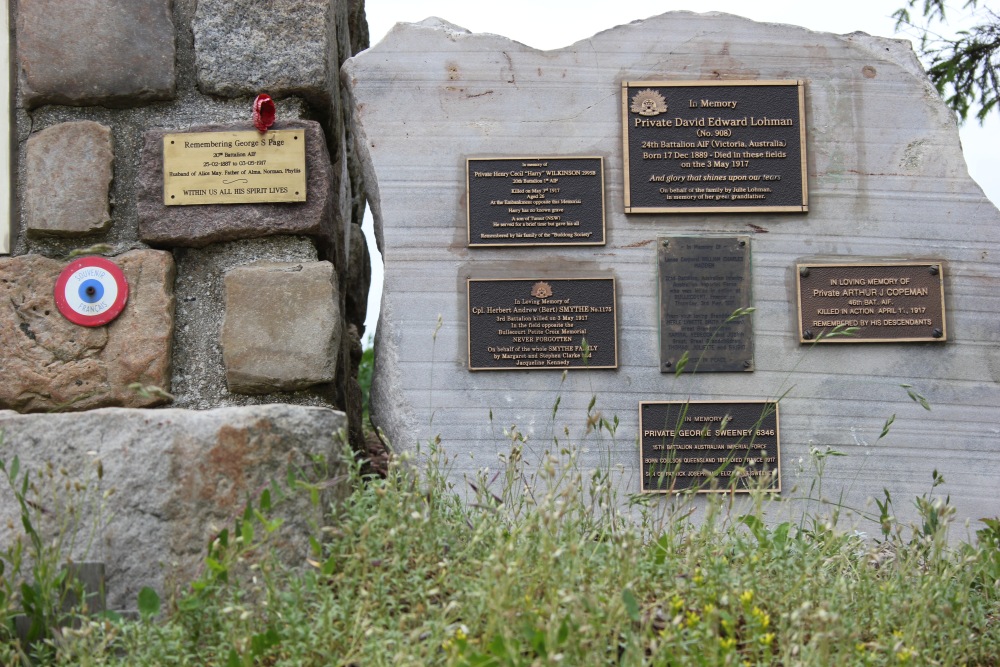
[[69, 168], [179, 477], [359, 277], [108, 52], [244, 48], [200, 225], [282, 326], [48, 363]]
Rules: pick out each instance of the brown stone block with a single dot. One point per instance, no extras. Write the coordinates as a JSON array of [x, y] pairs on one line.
[[199, 225], [282, 326], [69, 169], [49, 363], [109, 52]]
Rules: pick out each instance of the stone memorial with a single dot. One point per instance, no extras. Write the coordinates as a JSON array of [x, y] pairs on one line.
[[256, 298], [876, 175]]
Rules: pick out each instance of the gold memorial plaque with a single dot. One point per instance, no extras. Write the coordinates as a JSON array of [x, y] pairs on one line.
[[709, 446], [234, 167], [876, 302]]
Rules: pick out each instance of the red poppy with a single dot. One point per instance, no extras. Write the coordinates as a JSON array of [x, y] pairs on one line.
[[263, 112]]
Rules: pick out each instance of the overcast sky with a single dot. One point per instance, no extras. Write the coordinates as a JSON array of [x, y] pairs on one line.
[[553, 24]]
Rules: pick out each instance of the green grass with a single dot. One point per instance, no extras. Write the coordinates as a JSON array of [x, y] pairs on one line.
[[407, 573]]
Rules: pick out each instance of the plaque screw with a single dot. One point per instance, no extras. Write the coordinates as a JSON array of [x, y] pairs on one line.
[[667, 364], [747, 363], [743, 244], [934, 270], [804, 271], [808, 335], [666, 243], [937, 333]]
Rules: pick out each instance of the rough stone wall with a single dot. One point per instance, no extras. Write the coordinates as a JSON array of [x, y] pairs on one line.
[[230, 306], [99, 83]]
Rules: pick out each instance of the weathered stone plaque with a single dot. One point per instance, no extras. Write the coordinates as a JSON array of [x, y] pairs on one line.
[[704, 300], [714, 146], [709, 446], [542, 324], [535, 201], [234, 167], [887, 302]]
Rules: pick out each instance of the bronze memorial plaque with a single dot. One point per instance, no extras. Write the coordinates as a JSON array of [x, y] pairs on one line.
[[704, 287], [714, 146], [542, 324], [887, 302], [234, 167], [709, 446], [535, 201]]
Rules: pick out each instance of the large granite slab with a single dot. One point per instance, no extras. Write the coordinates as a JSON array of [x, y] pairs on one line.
[[886, 179], [171, 481]]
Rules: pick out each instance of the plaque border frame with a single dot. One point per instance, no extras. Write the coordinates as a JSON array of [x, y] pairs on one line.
[[468, 204], [627, 184], [777, 445], [468, 325], [850, 339]]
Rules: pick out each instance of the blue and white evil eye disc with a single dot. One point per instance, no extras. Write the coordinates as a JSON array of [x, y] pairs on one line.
[[91, 291]]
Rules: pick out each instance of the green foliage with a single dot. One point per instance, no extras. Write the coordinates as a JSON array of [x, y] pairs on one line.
[[148, 602], [540, 564], [963, 68], [35, 583], [365, 370]]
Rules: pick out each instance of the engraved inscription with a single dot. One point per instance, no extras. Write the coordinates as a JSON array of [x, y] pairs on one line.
[[535, 201], [542, 323], [877, 302], [705, 313], [709, 446], [715, 146], [234, 167]]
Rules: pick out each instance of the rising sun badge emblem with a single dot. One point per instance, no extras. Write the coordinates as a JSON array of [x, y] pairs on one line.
[[541, 290], [648, 103]]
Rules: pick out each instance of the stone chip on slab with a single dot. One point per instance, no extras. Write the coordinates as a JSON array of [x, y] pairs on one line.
[[50, 364], [69, 169], [179, 477], [282, 326], [109, 52], [199, 225]]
